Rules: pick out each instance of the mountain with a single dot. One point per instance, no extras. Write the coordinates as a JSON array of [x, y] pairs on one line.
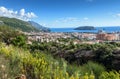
[[38, 26], [85, 28], [17, 24]]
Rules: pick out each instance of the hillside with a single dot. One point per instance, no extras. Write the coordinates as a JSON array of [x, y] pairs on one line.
[[38, 26], [17, 24]]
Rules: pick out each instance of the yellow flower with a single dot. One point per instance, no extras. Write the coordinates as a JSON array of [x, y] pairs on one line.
[[92, 76], [86, 76], [72, 77]]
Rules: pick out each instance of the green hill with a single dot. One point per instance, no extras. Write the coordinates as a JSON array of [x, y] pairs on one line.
[[17, 24]]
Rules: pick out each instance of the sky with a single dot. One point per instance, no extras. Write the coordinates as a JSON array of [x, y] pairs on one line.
[[64, 13]]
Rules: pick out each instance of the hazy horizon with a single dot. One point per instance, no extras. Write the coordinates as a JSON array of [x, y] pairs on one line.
[[64, 13]]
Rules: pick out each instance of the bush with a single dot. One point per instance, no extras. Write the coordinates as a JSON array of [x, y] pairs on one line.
[[94, 68], [35, 66], [110, 75]]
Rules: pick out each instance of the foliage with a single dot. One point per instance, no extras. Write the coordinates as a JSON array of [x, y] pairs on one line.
[[35, 66], [19, 41], [38, 65], [74, 53], [104, 55], [7, 34], [11, 36], [110, 75], [96, 69]]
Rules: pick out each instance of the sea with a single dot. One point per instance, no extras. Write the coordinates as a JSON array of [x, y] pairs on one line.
[[107, 29]]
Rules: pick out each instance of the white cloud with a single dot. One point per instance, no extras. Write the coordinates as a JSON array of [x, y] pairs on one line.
[[71, 19], [64, 22], [21, 14], [67, 19], [3, 9], [30, 15], [43, 24], [85, 18], [118, 14]]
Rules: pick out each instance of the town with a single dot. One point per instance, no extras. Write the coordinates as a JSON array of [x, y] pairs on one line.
[[76, 37]]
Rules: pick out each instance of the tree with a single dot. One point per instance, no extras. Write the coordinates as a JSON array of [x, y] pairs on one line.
[[104, 55], [7, 34], [19, 41]]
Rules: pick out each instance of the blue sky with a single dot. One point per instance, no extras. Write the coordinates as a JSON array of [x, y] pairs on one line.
[[64, 13]]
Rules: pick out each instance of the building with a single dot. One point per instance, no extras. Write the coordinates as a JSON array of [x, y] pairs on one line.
[[106, 37]]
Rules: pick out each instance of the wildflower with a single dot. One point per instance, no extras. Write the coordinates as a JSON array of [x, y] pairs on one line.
[[3, 67], [5, 75], [92, 76], [86, 76]]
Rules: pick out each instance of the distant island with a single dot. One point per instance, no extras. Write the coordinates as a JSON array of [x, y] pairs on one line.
[[85, 28]]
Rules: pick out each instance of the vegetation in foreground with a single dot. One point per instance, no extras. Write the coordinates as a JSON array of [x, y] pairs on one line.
[[36, 61], [106, 54], [16, 61]]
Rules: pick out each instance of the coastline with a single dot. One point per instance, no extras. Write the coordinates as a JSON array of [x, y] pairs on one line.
[[109, 29]]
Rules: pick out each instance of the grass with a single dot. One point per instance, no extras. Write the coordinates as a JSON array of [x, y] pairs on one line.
[[15, 61]]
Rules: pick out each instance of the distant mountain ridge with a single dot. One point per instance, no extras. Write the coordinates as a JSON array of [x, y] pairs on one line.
[[38, 26], [17, 24]]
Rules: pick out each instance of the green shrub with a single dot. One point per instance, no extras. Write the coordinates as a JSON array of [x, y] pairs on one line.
[[110, 75], [35, 66], [94, 68]]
